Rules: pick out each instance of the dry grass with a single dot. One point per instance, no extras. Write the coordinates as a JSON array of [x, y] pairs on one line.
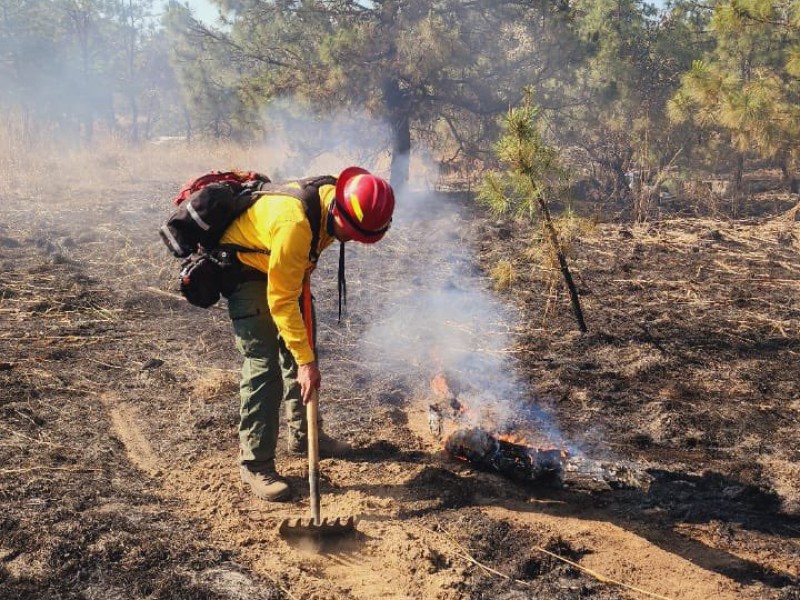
[[503, 274], [699, 311], [41, 168]]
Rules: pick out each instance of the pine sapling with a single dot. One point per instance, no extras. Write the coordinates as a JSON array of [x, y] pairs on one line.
[[532, 175]]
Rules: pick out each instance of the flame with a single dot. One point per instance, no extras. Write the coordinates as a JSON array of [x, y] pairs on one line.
[[441, 388], [453, 412], [515, 438]]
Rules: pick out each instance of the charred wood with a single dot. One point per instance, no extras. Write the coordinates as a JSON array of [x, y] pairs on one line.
[[515, 461]]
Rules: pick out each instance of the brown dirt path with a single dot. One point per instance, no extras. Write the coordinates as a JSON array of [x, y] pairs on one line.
[[390, 558]]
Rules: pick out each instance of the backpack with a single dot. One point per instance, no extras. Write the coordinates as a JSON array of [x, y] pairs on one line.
[[235, 179], [194, 230], [206, 207]]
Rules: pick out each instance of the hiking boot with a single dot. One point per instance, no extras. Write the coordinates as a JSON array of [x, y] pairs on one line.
[[264, 481], [328, 447]]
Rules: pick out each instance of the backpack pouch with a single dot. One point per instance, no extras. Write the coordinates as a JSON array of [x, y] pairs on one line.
[[205, 276]]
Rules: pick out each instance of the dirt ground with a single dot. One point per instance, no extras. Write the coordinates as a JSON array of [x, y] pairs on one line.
[[118, 409]]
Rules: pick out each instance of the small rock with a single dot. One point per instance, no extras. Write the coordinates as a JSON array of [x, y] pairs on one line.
[[153, 363], [713, 235]]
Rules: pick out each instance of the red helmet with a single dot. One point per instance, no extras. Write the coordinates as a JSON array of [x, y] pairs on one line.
[[364, 203]]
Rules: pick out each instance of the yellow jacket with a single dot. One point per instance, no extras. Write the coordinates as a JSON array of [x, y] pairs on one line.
[[277, 223]]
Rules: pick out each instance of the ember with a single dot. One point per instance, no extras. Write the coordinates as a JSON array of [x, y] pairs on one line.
[[441, 388], [516, 461], [516, 456]]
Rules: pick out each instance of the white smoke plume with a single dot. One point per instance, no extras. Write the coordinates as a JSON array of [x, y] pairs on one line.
[[436, 312], [444, 318], [300, 143]]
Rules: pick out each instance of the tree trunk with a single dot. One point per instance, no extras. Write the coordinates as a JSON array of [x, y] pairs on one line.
[[153, 106], [132, 75], [398, 112], [618, 187], [738, 173], [787, 176], [109, 113], [134, 118], [562, 263], [401, 154], [187, 119]]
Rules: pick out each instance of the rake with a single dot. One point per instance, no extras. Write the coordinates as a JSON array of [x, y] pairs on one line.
[[314, 526]]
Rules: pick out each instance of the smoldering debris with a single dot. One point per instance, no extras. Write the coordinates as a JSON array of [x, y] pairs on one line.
[[518, 458], [551, 467], [516, 461]]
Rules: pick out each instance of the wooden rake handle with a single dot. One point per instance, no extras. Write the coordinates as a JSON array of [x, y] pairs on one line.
[[312, 410]]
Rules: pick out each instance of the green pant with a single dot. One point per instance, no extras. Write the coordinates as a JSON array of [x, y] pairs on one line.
[[269, 376]]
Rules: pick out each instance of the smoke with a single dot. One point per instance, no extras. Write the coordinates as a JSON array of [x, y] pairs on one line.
[[434, 311], [442, 317], [300, 143]]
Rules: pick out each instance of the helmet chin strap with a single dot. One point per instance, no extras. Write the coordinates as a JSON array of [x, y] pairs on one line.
[[342, 282]]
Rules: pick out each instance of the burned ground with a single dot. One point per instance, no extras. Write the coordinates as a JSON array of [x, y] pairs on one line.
[[118, 408]]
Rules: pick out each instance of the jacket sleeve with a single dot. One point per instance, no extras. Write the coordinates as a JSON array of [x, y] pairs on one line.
[[288, 261]]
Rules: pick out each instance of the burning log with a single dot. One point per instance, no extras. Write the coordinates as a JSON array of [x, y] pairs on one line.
[[513, 460], [551, 466], [597, 475]]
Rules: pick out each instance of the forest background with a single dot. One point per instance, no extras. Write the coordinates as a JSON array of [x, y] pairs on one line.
[[632, 97]]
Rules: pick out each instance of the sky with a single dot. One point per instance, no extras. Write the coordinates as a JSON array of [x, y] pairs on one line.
[[204, 10]]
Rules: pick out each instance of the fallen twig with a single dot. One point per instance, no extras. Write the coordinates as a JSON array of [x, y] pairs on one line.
[[471, 559], [42, 468], [598, 576], [153, 290]]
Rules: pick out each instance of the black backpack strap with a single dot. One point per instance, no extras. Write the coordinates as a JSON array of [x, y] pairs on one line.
[[313, 210], [238, 248], [312, 205], [307, 191], [342, 282]]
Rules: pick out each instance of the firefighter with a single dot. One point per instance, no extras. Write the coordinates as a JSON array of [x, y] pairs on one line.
[[279, 363]]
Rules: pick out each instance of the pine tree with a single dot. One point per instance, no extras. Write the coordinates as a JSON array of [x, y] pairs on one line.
[[209, 75], [630, 68], [532, 176], [745, 90], [428, 69]]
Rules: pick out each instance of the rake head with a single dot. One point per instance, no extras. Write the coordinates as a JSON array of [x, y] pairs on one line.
[[325, 528]]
